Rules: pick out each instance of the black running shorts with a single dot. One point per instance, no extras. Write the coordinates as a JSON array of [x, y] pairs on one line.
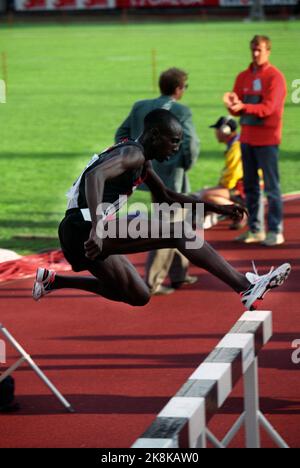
[[73, 232]]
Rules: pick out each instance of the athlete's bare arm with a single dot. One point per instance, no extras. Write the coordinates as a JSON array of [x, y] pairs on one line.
[[162, 194]]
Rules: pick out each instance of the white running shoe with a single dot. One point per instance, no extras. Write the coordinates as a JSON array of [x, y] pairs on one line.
[[260, 285], [43, 283]]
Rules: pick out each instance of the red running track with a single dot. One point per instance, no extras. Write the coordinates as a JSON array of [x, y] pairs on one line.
[[118, 365]]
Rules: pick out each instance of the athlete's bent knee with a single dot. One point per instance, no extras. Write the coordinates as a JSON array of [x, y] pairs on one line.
[[140, 299]]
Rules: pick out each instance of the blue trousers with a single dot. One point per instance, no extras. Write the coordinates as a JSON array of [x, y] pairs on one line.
[[265, 158]]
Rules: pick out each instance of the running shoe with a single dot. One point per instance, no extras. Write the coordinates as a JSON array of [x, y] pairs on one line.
[[273, 238], [43, 283], [162, 291], [250, 237], [188, 280], [261, 284]]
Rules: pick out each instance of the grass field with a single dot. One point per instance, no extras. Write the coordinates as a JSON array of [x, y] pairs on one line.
[[70, 86]]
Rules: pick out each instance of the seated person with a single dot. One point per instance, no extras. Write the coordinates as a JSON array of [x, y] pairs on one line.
[[230, 186]]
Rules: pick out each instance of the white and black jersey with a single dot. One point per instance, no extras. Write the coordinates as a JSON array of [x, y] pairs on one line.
[[122, 185]]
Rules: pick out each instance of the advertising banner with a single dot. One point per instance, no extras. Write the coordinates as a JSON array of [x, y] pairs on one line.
[[166, 3], [247, 3], [40, 5]]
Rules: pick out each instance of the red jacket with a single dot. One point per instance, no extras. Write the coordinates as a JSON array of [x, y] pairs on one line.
[[264, 92]]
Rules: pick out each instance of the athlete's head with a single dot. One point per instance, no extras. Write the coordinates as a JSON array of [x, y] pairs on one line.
[[162, 134]]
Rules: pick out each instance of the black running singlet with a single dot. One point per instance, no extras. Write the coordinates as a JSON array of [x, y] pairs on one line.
[[114, 188]]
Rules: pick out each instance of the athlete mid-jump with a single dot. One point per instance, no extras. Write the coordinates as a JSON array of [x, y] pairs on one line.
[[114, 173]]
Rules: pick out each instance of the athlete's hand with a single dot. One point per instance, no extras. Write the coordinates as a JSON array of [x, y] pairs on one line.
[[235, 212], [93, 246]]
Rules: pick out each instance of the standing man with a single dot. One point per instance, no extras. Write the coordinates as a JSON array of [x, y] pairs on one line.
[[258, 98], [172, 84]]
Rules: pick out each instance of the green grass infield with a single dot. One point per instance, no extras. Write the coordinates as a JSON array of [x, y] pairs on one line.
[[69, 87]]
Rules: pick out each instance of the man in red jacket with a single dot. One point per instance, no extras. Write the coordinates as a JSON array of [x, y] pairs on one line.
[[258, 98]]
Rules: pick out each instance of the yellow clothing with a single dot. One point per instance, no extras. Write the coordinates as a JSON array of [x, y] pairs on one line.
[[233, 170]]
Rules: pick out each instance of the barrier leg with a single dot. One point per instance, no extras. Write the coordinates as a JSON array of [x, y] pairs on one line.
[[201, 442], [251, 399], [272, 432], [12, 369], [234, 430], [26, 357], [212, 438]]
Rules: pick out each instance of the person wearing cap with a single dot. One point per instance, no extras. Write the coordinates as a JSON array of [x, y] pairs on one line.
[[258, 98], [229, 189]]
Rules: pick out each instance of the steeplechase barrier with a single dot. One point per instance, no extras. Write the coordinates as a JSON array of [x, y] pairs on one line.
[[182, 423], [26, 358]]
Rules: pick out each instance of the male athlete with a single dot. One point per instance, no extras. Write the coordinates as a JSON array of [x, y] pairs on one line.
[[116, 172]]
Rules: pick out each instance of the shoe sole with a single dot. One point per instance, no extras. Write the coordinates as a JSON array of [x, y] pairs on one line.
[[275, 282], [40, 274], [35, 294], [38, 279]]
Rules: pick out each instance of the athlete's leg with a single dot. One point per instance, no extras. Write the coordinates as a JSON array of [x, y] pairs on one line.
[[114, 278], [204, 257]]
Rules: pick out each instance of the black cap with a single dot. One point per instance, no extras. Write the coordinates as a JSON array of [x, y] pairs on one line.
[[225, 121]]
